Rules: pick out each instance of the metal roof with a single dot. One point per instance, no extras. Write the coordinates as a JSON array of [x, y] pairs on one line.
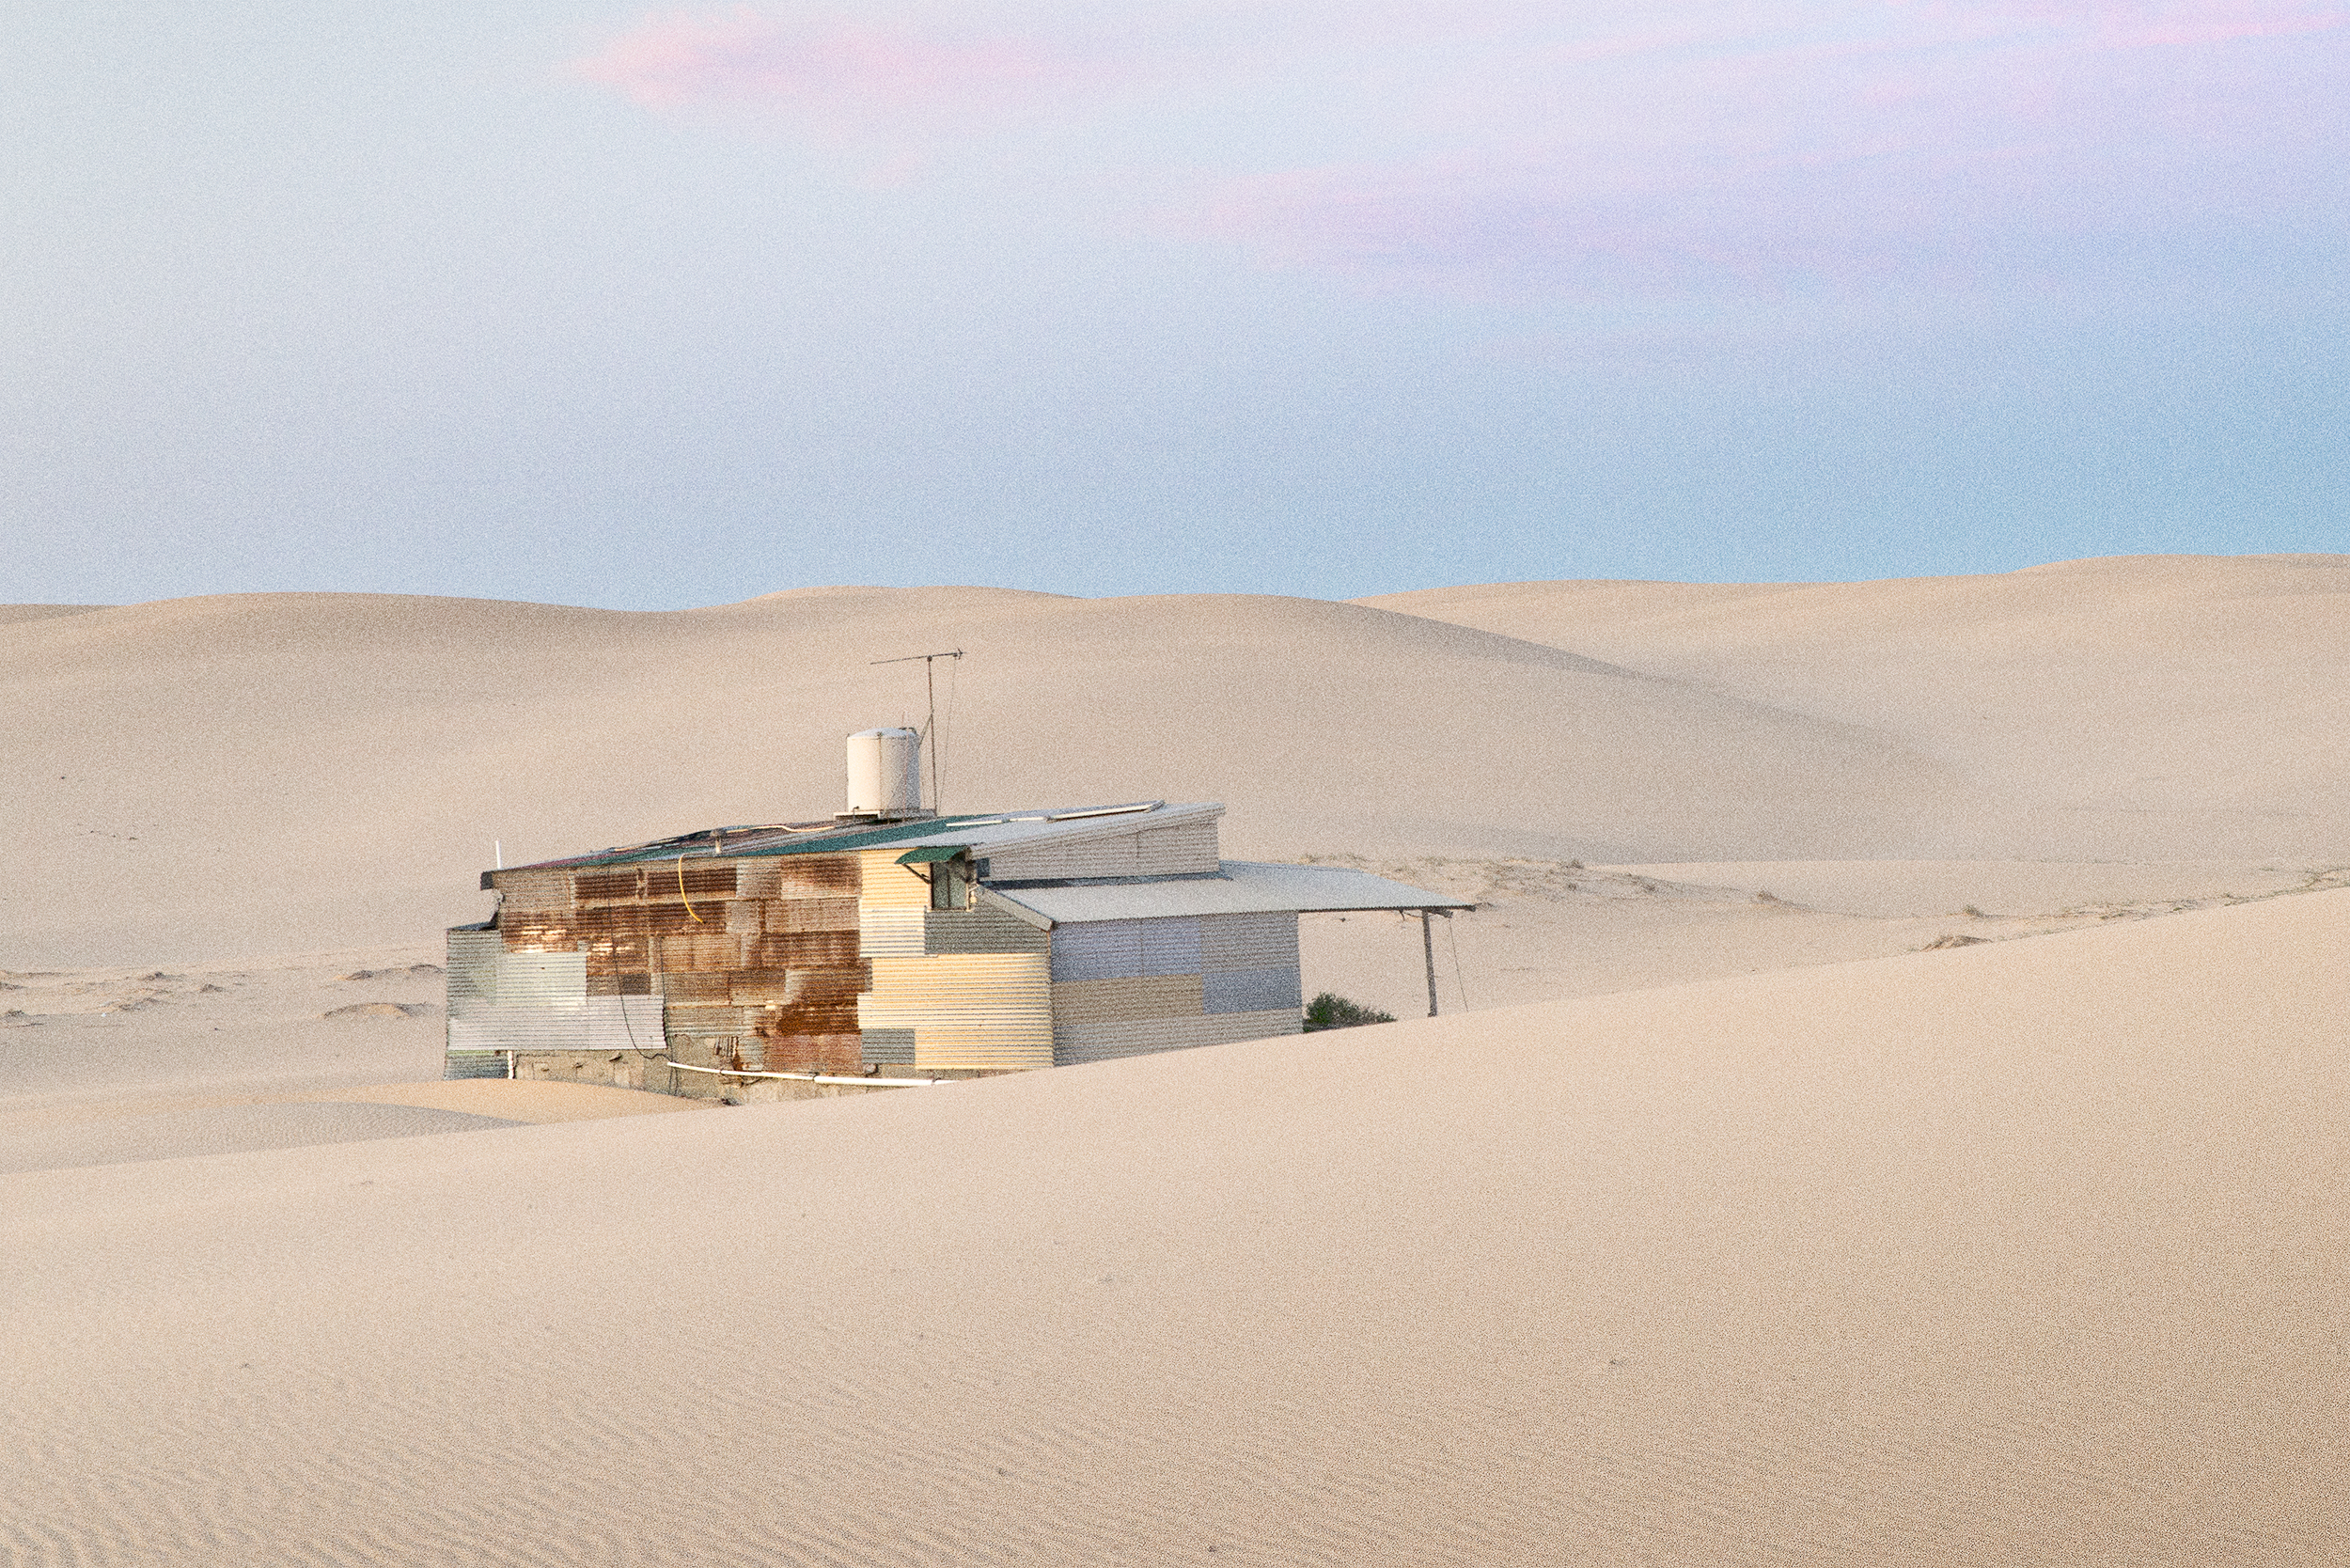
[[1245, 887], [978, 833]]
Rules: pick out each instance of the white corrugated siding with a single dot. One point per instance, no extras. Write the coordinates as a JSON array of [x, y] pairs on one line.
[[1081, 1042], [502, 1001], [965, 1009], [884, 931]]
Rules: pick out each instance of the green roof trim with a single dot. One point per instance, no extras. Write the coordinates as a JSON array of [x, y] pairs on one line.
[[930, 853]]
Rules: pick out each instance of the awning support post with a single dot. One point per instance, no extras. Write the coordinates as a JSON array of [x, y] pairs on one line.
[[1428, 946]]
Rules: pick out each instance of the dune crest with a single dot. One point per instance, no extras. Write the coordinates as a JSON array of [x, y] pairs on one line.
[[2023, 1252]]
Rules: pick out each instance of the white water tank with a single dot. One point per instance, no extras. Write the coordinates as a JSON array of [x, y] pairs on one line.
[[885, 774]]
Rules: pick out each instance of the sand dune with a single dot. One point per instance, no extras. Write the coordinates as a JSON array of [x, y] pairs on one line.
[[2030, 1252], [208, 778], [215, 778], [2139, 708]]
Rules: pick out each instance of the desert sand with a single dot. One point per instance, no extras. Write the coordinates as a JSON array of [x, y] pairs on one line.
[[1887, 1108]]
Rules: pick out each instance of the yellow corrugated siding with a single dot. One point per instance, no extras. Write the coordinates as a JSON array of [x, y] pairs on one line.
[[1105, 1001], [965, 1009], [884, 931], [890, 886]]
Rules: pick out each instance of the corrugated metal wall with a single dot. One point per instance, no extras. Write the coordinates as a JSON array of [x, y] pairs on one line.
[[991, 1011], [732, 960], [535, 1002], [1074, 1044], [1126, 987], [971, 987]]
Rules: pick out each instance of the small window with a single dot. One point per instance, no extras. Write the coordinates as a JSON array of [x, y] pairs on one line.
[[951, 884]]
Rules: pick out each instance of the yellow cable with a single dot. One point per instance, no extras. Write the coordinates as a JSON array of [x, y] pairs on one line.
[[681, 892]]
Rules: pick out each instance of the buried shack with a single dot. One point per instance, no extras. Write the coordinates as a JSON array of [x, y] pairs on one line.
[[887, 946]]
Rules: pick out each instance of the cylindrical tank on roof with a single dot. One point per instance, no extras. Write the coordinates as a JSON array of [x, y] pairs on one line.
[[885, 773]]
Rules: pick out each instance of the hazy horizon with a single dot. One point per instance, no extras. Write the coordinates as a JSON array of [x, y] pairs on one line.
[[578, 304]]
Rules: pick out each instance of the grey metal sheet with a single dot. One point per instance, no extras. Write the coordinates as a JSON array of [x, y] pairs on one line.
[[1097, 950], [1250, 991], [1267, 939], [1170, 947], [1245, 886], [1125, 949]]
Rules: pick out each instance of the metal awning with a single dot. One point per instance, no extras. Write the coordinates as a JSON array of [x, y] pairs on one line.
[[930, 852], [1245, 888]]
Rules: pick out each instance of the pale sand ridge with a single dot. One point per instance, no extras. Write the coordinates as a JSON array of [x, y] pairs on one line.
[[2139, 708], [2031, 1251], [2027, 1253]]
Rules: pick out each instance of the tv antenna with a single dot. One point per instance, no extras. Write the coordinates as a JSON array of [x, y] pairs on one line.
[[929, 684]]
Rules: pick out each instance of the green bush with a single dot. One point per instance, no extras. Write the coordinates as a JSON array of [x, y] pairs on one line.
[[1332, 1012]]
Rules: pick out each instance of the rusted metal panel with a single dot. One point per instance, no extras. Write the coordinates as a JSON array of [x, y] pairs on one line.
[[810, 913], [605, 887], [1105, 1001], [802, 950], [818, 876], [533, 890], [707, 1018], [714, 988], [1074, 1044], [842, 1053]]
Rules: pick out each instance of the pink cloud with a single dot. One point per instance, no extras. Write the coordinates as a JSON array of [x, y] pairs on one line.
[[1944, 146], [836, 68]]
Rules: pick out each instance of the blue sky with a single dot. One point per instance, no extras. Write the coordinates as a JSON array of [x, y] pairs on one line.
[[599, 305]]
